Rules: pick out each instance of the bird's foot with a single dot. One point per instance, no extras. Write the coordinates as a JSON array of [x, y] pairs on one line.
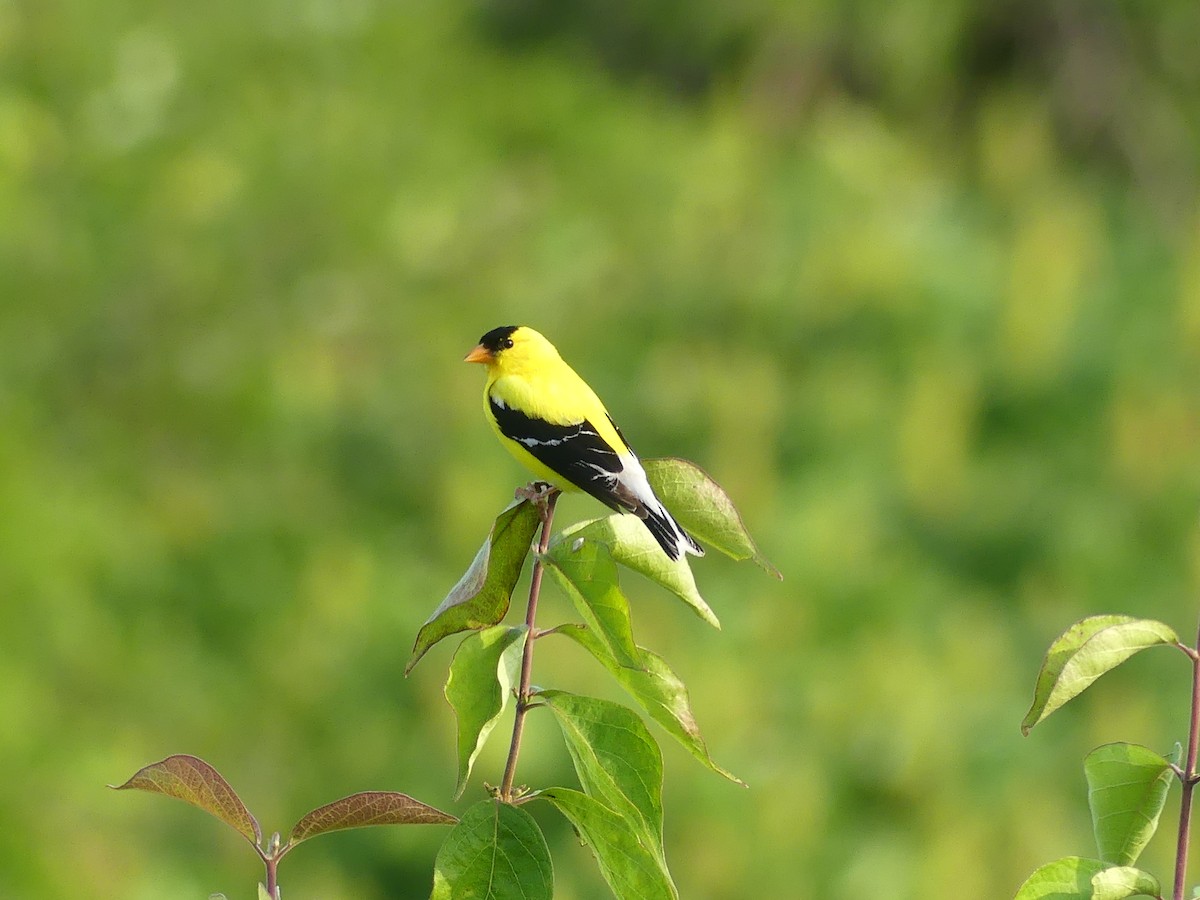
[[536, 491]]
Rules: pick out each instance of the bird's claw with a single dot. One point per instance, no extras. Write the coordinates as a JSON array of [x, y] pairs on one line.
[[536, 491]]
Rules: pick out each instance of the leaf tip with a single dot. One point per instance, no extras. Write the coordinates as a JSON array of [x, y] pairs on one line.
[[420, 648], [1029, 721]]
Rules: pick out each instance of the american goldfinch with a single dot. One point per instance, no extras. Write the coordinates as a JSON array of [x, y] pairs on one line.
[[553, 423]]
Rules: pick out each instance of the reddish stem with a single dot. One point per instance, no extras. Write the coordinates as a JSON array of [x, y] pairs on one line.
[[1188, 780], [523, 705], [273, 877]]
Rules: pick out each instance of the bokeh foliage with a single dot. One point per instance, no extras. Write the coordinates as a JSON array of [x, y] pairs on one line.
[[918, 283]]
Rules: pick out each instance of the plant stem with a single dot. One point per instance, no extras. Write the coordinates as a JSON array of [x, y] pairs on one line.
[[1188, 780], [272, 877], [535, 589]]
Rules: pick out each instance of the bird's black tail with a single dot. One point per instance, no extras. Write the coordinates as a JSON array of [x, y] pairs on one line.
[[669, 534]]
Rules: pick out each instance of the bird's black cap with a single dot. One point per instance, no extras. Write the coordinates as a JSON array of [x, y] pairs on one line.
[[494, 340]]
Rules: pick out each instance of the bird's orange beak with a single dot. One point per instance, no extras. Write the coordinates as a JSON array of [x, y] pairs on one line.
[[480, 354]]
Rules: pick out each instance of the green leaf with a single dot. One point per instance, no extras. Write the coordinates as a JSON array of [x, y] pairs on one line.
[[263, 893], [1069, 878], [192, 780], [482, 675], [656, 689], [634, 547], [1127, 788], [631, 868], [1084, 652], [368, 808], [704, 509], [481, 597], [496, 852], [617, 760], [1120, 882], [586, 572]]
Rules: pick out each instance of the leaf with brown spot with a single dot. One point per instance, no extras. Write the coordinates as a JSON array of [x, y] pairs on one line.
[[481, 597]]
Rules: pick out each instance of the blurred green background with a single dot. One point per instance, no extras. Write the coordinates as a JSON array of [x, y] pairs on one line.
[[919, 283]]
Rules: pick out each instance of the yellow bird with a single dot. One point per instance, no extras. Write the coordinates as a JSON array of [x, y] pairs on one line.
[[553, 423]]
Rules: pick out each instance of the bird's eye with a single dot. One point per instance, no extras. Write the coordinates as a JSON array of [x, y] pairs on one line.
[[506, 343]]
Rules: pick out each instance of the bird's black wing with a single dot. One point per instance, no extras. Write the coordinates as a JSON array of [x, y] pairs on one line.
[[576, 452]]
